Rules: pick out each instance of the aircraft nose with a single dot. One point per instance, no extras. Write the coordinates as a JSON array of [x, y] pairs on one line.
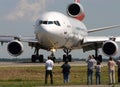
[[48, 27], [43, 29]]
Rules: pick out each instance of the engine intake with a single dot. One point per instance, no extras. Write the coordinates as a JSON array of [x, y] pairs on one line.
[[76, 10], [110, 48], [15, 48]]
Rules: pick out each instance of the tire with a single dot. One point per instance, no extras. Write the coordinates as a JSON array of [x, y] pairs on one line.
[[41, 58], [70, 58], [100, 58], [64, 58], [33, 58]]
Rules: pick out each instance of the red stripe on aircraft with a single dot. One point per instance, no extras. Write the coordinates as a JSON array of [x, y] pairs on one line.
[[78, 1]]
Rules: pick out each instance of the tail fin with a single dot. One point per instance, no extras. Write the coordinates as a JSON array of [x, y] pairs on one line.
[[78, 1]]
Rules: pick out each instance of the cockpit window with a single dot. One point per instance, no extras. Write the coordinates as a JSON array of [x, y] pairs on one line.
[[57, 23], [49, 22], [44, 22]]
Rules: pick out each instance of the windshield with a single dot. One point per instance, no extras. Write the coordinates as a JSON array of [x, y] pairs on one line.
[[49, 22]]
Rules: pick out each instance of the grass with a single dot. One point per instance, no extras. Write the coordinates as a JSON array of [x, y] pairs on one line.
[[34, 76]]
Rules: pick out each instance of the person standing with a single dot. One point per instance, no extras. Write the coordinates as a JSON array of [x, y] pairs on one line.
[[90, 69], [98, 73], [66, 71], [49, 67], [118, 63], [111, 69]]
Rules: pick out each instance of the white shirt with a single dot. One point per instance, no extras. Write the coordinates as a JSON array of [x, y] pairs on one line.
[[49, 64]]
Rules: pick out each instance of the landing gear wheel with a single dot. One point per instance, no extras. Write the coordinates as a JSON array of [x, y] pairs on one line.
[[33, 58], [40, 58], [64, 58], [67, 58], [70, 57], [97, 57], [36, 55]]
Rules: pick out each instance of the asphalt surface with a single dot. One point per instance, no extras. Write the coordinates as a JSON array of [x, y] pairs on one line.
[[22, 64]]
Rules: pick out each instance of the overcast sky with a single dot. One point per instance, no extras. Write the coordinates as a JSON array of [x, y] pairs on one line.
[[17, 17]]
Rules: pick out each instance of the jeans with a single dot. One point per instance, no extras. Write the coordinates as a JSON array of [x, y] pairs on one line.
[[66, 77], [89, 76], [48, 72], [98, 78]]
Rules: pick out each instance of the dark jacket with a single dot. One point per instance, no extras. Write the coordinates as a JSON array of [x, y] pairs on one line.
[[65, 68]]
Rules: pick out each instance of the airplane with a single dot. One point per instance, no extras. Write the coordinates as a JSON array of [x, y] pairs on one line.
[[54, 30]]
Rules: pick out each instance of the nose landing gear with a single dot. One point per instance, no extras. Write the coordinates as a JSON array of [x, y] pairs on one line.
[[67, 56]]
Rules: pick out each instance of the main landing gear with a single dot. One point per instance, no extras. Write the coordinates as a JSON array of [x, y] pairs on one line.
[[67, 56], [97, 57], [36, 56]]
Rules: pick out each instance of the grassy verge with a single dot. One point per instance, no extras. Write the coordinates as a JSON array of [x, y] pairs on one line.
[[34, 76]]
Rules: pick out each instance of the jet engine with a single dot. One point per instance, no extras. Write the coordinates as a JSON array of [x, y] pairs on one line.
[[110, 48], [76, 10], [15, 48]]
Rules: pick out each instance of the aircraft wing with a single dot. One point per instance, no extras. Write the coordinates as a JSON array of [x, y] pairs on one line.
[[103, 28], [91, 42], [6, 39]]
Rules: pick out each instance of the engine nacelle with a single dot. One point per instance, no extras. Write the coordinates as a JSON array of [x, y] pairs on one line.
[[110, 48], [76, 10], [15, 48]]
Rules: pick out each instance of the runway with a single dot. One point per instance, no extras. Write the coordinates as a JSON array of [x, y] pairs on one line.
[[28, 64]]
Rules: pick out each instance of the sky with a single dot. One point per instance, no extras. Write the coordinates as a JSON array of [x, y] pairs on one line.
[[17, 17]]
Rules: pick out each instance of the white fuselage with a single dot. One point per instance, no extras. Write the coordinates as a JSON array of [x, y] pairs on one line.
[[55, 30]]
